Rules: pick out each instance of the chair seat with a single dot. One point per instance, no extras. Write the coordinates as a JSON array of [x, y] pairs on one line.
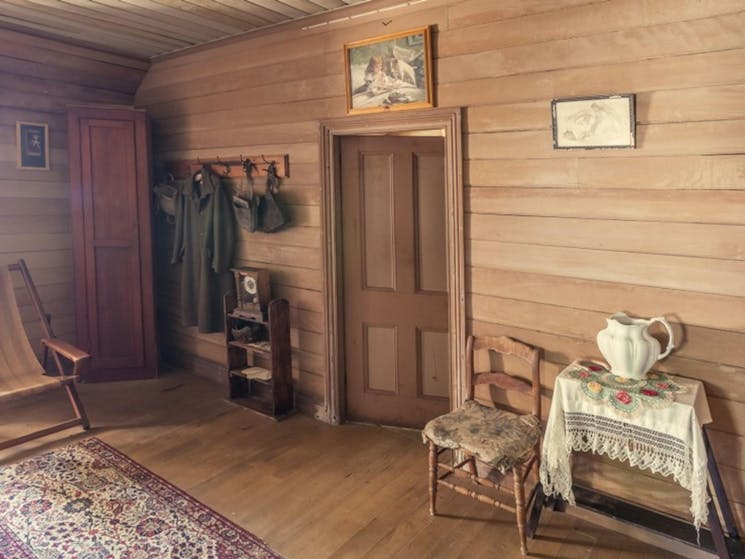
[[12, 388], [495, 437]]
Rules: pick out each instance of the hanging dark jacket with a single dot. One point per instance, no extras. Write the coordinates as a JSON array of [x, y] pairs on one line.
[[204, 245]]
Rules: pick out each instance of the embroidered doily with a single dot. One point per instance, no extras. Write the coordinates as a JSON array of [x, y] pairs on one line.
[[627, 395]]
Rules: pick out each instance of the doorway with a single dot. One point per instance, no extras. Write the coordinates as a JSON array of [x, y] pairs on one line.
[[395, 278], [446, 125]]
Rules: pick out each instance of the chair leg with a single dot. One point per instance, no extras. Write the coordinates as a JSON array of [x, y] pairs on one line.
[[432, 478], [472, 466], [520, 508], [77, 405]]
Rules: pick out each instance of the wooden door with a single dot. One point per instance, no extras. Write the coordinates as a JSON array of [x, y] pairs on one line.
[[111, 212], [395, 279]]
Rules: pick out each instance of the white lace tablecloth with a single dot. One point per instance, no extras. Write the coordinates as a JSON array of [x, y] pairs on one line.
[[666, 440]]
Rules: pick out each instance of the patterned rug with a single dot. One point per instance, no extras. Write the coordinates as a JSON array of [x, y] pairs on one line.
[[89, 501]]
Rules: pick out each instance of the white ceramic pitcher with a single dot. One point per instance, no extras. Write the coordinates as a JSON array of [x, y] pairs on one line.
[[627, 346]]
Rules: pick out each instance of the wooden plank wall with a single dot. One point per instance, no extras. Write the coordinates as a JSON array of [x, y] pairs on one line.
[[556, 240], [38, 79]]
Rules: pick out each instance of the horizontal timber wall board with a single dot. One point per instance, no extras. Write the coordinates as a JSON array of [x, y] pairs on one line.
[[556, 240]]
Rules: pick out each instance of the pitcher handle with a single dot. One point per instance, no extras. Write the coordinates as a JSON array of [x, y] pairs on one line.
[[666, 324]]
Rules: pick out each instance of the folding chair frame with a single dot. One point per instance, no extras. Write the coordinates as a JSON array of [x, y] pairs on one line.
[[59, 348]]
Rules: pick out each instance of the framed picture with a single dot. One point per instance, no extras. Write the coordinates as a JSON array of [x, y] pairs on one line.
[[32, 139], [390, 72], [594, 122]]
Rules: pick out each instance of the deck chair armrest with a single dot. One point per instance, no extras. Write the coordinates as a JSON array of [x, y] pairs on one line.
[[65, 349]]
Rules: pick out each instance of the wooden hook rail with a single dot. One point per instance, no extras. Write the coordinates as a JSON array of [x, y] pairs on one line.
[[230, 167]]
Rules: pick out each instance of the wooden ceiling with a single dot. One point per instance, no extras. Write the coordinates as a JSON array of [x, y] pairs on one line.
[[147, 28]]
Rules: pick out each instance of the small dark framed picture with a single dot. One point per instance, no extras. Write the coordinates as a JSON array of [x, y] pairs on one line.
[[32, 139], [594, 122]]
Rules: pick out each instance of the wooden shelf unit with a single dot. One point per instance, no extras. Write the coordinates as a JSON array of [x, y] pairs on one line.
[[274, 397]]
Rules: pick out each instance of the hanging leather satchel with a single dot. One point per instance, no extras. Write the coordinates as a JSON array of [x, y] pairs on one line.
[[273, 217], [246, 205]]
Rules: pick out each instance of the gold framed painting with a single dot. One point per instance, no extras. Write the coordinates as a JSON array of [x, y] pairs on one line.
[[32, 145], [390, 72]]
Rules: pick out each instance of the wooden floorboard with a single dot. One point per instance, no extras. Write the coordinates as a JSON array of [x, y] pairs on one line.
[[310, 490]]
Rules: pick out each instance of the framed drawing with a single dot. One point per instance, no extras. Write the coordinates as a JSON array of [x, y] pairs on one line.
[[32, 140], [390, 72], [594, 122]]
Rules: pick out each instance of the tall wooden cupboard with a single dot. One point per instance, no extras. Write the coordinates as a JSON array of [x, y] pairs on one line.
[[112, 241]]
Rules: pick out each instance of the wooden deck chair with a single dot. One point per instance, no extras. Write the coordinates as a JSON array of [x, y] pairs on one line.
[[21, 374]]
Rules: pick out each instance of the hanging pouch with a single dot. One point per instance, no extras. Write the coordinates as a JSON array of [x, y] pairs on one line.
[[273, 217], [165, 194], [246, 205]]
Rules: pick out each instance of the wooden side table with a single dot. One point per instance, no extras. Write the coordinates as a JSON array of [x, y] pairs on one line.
[[656, 424]]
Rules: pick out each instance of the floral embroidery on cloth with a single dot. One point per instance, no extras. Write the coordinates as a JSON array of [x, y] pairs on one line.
[[627, 395]]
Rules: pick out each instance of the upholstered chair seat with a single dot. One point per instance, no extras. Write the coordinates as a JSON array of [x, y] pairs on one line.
[[498, 438]]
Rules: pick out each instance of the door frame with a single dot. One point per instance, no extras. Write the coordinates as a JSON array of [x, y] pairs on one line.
[[447, 120]]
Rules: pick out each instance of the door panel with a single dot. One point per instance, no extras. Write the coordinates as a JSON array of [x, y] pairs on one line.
[[433, 358], [116, 338], [112, 252], [395, 292], [381, 367], [377, 220], [431, 236]]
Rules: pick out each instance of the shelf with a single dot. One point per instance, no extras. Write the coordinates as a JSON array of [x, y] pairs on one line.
[[251, 346], [247, 319], [237, 373]]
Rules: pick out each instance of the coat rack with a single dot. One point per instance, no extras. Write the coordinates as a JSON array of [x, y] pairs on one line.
[[232, 167]]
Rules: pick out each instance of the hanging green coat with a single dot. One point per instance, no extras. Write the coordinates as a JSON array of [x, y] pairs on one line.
[[204, 245]]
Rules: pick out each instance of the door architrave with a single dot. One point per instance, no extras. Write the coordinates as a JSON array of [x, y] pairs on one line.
[[448, 120]]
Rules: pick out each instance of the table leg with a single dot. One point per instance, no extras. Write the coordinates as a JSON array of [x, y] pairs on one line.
[[539, 501], [716, 481], [716, 530], [731, 542]]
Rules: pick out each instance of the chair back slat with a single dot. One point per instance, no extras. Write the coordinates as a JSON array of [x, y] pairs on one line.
[[505, 346], [504, 381]]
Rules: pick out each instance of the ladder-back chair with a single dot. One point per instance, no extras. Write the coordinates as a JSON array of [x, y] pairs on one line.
[[21, 373], [481, 439]]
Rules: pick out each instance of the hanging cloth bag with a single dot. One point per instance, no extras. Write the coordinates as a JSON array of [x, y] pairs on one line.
[[165, 193], [246, 205], [273, 217]]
